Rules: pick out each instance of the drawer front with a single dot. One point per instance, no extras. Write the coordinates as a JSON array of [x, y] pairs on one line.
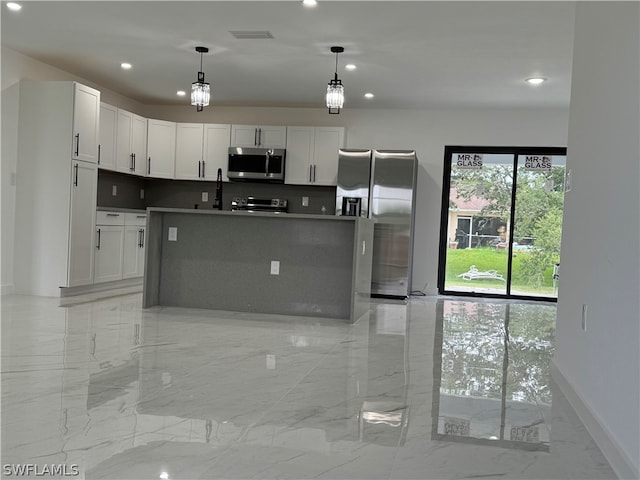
[[110, 218], [135, 219]]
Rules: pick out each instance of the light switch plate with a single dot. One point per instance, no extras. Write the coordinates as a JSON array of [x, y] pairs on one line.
[[271, 362], [205, 196], [114, 190], [305, 201], [275, 267], [173, 234], [141, 193]]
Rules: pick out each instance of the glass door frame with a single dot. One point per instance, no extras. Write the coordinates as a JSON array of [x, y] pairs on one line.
[[449, 150]]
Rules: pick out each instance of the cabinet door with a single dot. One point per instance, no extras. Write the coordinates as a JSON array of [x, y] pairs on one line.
[[84, 186], [216, 150], [109, 253], [139, 144], [300, 142], [133, 252], [161, 149], [272, 137], [189, 140], [108, 132], [124, 158], [86, 120], [244, 136], [325, 154]]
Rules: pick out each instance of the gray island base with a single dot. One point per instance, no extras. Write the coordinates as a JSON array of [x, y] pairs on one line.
[[290, 264]]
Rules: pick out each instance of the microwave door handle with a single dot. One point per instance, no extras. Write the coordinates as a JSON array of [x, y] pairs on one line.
[[266, 164]]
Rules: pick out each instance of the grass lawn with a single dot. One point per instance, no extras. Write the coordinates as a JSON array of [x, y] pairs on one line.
[[459, 261]]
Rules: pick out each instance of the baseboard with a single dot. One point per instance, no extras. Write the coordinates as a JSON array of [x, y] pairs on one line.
[[6, 289], [616, 456]]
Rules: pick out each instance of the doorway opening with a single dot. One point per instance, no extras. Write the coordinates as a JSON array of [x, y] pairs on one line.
[[501, 221]]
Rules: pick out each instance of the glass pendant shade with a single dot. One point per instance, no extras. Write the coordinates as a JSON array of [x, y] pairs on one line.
[[335, 96], [200, 93]]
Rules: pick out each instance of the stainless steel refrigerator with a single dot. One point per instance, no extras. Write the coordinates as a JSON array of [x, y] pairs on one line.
[[381, 184]]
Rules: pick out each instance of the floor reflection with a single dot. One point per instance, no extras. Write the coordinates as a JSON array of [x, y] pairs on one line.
[[492, 386], [429, 388]]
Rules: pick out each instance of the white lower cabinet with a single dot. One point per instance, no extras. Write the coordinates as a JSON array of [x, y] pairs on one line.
[[119, 246], [134, 242], [109, 247]]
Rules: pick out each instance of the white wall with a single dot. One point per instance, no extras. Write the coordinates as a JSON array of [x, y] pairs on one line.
[[426, 131], [601, 231]]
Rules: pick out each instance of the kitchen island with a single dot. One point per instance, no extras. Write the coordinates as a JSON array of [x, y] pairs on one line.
[[291, 264]]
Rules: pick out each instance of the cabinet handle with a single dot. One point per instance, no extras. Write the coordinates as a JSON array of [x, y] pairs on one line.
[[314, 174], [141, 238], [149, 167], [131, 162], [259, 136], [75, 180], [98, 245], [134, 162], [141, 216], [255, 137], [77, 144], [203, 167], [98, 154], [309, 173], [199, 168]]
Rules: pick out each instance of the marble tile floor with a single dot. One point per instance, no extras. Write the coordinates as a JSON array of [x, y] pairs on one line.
[[431, 388]]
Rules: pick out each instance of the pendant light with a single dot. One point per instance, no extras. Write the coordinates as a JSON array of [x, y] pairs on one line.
[[200, 90], [335, 90]]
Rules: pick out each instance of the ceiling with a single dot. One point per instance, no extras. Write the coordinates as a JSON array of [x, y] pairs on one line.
[[411, 54]]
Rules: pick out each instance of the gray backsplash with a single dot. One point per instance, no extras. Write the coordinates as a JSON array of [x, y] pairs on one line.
[[188, 194]]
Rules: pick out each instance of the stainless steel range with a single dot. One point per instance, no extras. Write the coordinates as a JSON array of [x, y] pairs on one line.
[[255, 204]]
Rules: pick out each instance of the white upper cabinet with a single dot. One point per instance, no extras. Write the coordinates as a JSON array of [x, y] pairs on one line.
[[200, 150], [108, 131], [86, 120], [161, 148], [189, 140], [131, 143], [258, 136], [312, 155]]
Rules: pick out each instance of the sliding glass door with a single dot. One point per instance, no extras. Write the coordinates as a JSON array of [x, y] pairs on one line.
[[501, 221]]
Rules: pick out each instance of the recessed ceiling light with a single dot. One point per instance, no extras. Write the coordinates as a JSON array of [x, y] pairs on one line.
[[369, 95], [14, 6], [536, 80], [350, 66], [309, 3], [181, 93], [125, 66]]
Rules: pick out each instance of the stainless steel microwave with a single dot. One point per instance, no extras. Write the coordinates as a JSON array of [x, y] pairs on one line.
[[256, 164]]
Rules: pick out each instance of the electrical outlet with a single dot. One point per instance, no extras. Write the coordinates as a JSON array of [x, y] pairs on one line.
[[275, 267], [141, 193], [205, 196], [271, 362], [585, 310], [305, 201], [173, 234], [114, 190]]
